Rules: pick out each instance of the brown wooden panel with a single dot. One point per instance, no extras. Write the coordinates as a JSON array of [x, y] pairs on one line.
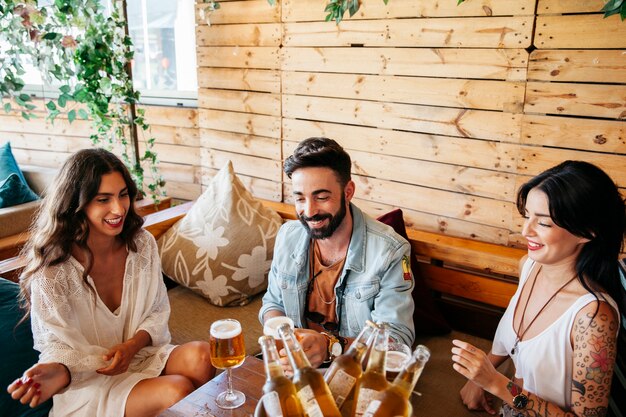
[[260, 34], [576, 133], [584, 31], [239, 79], [61, 127], [604, 66], [259, 57], [247, 165], [236, 142], [470, 32], [473, 287], [311, 10], [179, 172], [259, 187], [568, 6], [534, 160], [240, 101], [476, 94], [498, 64], [248, 11], [443, 121], [175, 153], [172, 116], [446, 149], [485, 257], [593, 100], [42, 142], [158, 223], [253, 124], [52, 159], [434, 223], [183, 190], [174, 135]]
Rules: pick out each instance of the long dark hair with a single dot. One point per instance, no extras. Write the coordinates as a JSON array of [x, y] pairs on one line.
[[61, 221], [586, 202]]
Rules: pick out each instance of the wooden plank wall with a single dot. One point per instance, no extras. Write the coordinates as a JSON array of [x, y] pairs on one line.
[[39, 142], [445, 109]]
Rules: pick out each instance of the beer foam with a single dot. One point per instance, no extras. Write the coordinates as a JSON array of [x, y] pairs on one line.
[[396, 360], [271, 325], [225, 329]]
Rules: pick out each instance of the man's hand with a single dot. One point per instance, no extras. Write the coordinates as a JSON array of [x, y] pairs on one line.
[[314, 345], [39, 383]]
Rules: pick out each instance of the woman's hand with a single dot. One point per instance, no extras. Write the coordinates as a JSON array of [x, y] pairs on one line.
[[120, 356], [39, 383], [475, 398], [473, 364]]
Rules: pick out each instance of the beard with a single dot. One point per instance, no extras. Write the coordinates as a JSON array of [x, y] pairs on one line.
[[333, 223]]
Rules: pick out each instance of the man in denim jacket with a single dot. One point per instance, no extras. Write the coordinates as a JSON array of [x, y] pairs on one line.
[[336, 267]]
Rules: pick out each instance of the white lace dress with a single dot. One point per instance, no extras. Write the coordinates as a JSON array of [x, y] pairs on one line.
[[71, 328]]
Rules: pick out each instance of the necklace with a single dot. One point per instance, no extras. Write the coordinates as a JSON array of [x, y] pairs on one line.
[[519, 328]]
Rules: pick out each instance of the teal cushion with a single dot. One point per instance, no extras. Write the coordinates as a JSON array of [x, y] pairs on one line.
[[14, 192], [16, 352], [8, 164]]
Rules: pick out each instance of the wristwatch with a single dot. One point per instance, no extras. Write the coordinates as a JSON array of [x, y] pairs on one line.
[[335, 347], [520, 400]]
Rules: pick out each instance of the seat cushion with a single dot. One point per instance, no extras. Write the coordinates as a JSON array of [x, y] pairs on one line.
[[192, 315], [16, 351], [223, 247], [14, 192], [8, 164]]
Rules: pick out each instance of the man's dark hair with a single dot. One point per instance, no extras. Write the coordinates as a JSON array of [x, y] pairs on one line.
[[320, 152]]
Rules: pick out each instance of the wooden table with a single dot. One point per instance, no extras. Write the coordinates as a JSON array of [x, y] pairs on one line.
[[248, 378]]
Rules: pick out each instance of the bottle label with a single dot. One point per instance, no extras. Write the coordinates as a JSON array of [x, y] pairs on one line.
[[271, 403], [372, 408], [309, 403], [340, 385], [366, 396]]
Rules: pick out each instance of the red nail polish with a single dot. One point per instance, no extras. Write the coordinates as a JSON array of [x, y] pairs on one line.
[[18, 382], [37, 385]]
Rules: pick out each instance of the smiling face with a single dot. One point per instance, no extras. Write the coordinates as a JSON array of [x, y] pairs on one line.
[[548, 243], [321, 202], [106, 212]]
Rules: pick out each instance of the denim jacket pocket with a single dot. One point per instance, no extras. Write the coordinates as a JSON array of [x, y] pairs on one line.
[[359, 303], [293, 297]]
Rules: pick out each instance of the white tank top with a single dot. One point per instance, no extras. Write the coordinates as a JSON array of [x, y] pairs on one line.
[[543, 362]]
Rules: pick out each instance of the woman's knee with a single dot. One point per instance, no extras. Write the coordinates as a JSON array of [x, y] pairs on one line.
[[175, 388], [192, 360]]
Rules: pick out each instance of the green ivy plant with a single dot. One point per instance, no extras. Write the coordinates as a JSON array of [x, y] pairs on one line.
[[74, 45]]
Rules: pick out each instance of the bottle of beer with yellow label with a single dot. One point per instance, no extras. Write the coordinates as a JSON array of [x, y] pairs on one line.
[[346, 369], [373, 379], [394, 401], [313, 392], [279, 394]]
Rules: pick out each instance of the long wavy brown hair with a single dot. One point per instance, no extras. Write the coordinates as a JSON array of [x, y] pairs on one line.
[[61, 222]]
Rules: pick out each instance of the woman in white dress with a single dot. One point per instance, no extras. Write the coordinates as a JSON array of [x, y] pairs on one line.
[[98, 304], [560, 328]]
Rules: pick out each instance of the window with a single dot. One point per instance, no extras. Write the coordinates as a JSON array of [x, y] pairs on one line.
[[164, 65]]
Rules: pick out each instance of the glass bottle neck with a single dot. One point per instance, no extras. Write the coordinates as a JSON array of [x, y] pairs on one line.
[[273, 369], [378, 353], [358, 348], [297, 357], [408, 377]]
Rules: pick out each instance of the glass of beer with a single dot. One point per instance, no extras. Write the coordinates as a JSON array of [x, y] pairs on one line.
[[398, 355], [271, 329], [227, 352]]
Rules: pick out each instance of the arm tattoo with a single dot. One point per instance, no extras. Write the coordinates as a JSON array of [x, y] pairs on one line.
[[578, 387]]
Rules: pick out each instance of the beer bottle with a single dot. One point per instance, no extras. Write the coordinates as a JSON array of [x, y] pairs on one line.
[[346, 369], [279, 394], [313, 392], [394, 401], [373, 379]]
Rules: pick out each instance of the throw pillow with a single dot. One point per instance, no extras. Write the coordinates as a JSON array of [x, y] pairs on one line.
[[427, 318], [222, 249], [16, 351], [8, 164], [13, 192]]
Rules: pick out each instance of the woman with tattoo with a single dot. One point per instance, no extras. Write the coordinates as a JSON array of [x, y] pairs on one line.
[[561, 325]]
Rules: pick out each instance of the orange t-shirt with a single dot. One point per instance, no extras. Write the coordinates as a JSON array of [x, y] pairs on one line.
[[321, 294]]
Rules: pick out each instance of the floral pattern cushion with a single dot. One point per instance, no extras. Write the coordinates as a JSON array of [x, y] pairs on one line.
[[222, 249]]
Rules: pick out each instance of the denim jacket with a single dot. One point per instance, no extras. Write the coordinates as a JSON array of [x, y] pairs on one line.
[[376, 287]]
